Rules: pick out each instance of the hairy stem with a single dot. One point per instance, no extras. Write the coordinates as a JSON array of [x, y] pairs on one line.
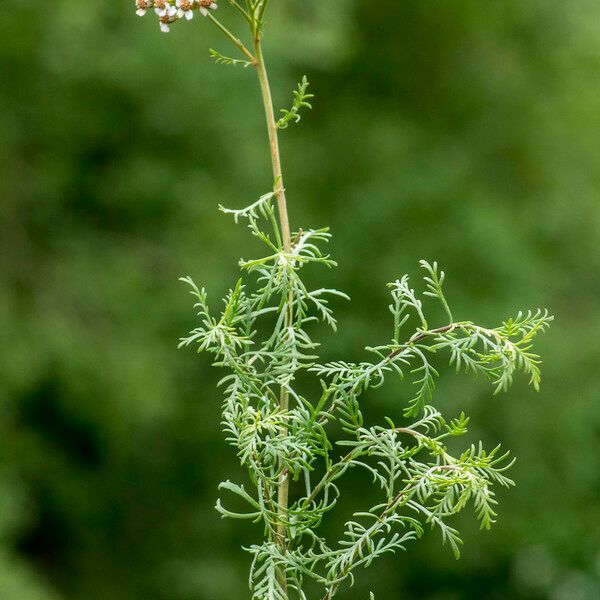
[[283, 485]]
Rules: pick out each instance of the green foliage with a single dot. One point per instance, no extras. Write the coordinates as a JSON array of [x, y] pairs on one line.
[[301, 98], [471, 127], [227, 60], [262, 341]]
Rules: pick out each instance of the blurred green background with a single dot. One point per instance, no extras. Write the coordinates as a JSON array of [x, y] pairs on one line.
[[466, 131]]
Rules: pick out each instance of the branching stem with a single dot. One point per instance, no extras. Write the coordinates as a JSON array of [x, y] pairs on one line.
[[234, 40]]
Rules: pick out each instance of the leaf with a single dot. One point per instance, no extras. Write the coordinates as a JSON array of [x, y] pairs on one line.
[[227, 60], [301, 97]]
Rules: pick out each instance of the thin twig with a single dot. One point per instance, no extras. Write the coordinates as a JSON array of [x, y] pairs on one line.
[[234, 40]]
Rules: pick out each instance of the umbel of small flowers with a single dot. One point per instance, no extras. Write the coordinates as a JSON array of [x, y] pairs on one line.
[[169, 12]]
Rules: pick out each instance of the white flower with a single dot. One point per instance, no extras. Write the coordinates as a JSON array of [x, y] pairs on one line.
[[163, 9], [142, 7], [205, 5], [168, 16], [184, 9]]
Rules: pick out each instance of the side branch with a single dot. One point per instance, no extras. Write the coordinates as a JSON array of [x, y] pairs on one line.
[[234, 40]]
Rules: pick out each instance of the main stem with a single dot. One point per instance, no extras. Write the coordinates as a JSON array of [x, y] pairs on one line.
[[284, 482], [274, 145]]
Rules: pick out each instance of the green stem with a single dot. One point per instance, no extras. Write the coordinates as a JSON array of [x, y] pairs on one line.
[[242, 11], [234, 40], [274, 146], [333, 471], [284, 482], [261, 11], [331, 592]]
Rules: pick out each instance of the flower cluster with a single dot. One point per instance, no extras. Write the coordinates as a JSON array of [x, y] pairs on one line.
[[169, 11]]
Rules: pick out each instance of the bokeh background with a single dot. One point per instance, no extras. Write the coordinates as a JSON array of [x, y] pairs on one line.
[[463, 130]]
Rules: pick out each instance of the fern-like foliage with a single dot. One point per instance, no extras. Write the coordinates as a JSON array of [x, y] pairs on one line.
[[261, 340], [227, 60], [301, 100]]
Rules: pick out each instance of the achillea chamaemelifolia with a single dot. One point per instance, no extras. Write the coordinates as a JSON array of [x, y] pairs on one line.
[[282, 434]]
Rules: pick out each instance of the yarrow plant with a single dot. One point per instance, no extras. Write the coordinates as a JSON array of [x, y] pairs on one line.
[[283, 436]]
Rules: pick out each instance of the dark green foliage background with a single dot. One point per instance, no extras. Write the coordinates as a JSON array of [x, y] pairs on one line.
[[463, 130]]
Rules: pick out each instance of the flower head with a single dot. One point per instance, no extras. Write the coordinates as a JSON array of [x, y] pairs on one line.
[[142, 6], [165, 20], [164, 9], [205, 5], [169, 11], [185, 8]]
